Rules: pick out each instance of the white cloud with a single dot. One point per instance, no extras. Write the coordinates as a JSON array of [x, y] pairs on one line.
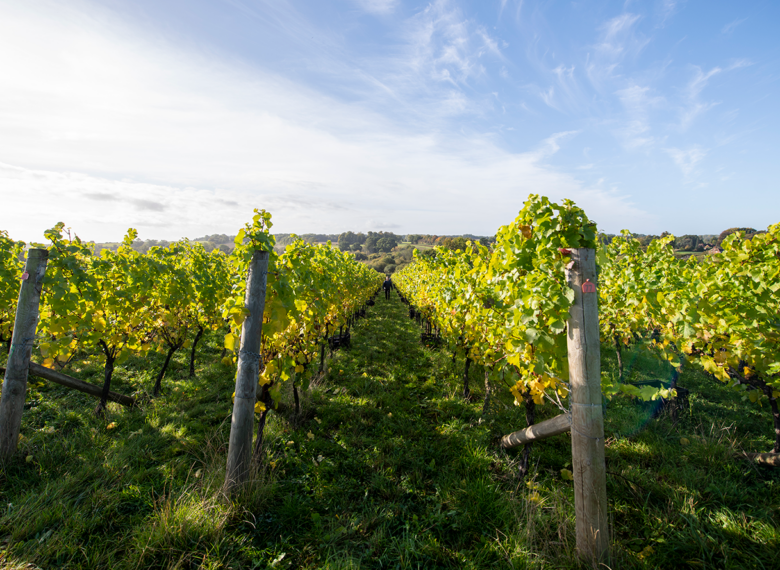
[[618, 42], [728, 28], [548, 97], [687, 159], [443, 43], [637, 103], [668, 8], [103, 128], [378, 6], [694, 106]]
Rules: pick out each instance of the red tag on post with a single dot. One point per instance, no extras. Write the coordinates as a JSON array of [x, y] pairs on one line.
[[588, 287], [25, 276]]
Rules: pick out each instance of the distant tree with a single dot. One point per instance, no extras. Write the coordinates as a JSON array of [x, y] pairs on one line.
[[457, 243], [348, 240], [390, 268], [344, 242], [413, 238], [379, 265], [284, 239], [726, 233], [686, 242], [386, 243], [371, 242], [405, 254], [373, 238], [216, 239]]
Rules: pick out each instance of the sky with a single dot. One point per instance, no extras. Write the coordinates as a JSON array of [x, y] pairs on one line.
[[180, 117]]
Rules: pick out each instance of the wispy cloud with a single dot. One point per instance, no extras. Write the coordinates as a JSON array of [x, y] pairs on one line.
[[694, 106], [618, 42], [687, 159], [637, 102], [446, 46], [728, 28], [378, 6], [110, 129], [668, 9]]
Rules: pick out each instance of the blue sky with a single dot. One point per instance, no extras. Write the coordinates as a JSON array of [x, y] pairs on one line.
[[180, 117]]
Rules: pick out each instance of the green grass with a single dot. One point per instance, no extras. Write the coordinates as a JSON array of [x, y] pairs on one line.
[[386, 467]]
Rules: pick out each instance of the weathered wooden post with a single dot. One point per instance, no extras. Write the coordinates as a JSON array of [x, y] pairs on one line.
[[587, 420], [25, 325], [240, 446]]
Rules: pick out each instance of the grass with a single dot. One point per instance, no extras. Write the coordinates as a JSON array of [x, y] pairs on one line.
[[386, 467]]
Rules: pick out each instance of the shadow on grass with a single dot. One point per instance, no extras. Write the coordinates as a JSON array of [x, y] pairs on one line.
[[387, 467]]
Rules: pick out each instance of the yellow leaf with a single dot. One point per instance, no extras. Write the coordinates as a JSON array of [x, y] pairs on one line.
[[299, 368], [48, 362], [230, 341], [567, 475], [646, 551], [684, 441], [310, 435], [259, 407], [112, 425], [29, 458]]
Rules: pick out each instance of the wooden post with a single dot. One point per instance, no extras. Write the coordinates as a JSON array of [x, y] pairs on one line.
[[587, 430], [765, 458], [240, 446], [76, 384], [25, 325], [547, 428]]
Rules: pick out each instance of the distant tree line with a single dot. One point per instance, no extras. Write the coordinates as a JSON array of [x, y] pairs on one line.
[[689, 242], [366, 246]]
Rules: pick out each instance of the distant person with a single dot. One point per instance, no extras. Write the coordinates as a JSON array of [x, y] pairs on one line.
[[387, 285]]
